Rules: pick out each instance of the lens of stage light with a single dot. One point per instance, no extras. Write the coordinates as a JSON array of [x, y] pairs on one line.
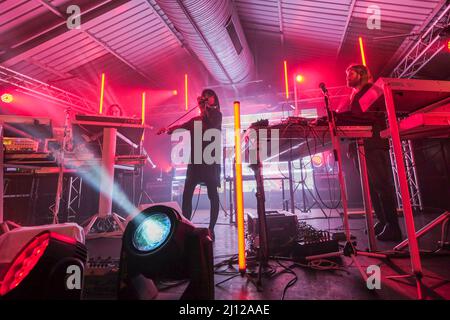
[[299, 78], [7, 98], [24, 263], [317, 160], [152, 232]]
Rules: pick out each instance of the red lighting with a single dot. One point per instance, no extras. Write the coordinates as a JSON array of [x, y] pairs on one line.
[[299, 78], [24, 262], [7, 98], [175, 92]]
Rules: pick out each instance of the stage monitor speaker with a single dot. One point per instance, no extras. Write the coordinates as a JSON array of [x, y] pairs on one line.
[[282, 230]]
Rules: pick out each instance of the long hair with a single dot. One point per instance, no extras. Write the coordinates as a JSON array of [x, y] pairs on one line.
[[211, 92], [109, 112], [363, 71]]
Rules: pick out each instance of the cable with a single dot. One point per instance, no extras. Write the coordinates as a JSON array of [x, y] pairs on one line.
[[290, 282], [196, 205], [314, 180]]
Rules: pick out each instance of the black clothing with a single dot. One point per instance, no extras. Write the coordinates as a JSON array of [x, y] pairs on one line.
[[204, 173], [381, 181], [356, 116]]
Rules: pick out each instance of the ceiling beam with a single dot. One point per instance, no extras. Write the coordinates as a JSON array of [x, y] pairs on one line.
[[100, 42], [57, 30], [280, 18], [412, 39], [347, 23]]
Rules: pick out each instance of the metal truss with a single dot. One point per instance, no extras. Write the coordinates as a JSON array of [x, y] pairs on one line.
[[71, 196], [411, 175], [74, 197], [42, 90], [426, 48], [423, 51]]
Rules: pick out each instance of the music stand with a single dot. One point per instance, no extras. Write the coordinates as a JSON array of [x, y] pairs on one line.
[[93, 126]]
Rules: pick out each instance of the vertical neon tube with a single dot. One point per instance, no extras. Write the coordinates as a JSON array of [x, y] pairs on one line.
[[102, 91], [143, 113], [296, 111], [286, 83], [239, 188], [186, 91], [361, 48]]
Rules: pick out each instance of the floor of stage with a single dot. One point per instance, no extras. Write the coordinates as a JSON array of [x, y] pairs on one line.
[[343, 283]]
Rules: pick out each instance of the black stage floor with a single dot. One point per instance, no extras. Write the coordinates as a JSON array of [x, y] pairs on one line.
[[345, 282]]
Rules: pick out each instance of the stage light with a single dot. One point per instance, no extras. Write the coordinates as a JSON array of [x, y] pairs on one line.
[[299, 78], [152, 233], [239, 188], [102, 94], [160, 244], [7, 98], [361, 48], [42, 268], [286, 84], [175, 92], [317, 160], [448, 45], [186, 91]]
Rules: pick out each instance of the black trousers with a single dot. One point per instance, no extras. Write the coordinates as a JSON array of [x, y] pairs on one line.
[[189, 186], [381, 181]]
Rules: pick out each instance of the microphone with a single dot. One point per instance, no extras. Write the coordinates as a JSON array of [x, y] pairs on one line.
[[324, 88]]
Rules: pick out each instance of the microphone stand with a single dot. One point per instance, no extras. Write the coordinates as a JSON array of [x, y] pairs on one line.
[[349, 248]]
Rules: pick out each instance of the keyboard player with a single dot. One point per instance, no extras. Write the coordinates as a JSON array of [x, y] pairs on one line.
[[381, 180]]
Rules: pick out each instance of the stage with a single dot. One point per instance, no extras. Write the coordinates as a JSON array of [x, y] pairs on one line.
[[342, 284]]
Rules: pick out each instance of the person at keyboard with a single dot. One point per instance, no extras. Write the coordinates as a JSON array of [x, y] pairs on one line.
[[377, 155], [114, 110]]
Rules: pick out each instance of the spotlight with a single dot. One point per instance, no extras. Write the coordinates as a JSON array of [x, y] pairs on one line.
[[299, 78], [160, 244], [317, 160], [175, 92], [50, 266], [7, 98]]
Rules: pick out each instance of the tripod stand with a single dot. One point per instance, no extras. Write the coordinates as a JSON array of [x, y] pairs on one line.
[[263, 252], [143, 193]]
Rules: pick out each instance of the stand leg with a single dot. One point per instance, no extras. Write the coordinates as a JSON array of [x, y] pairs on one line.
[[291, 187], [404, 188], [443, 218], [107, 174], [105, 213], [366, 195]]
